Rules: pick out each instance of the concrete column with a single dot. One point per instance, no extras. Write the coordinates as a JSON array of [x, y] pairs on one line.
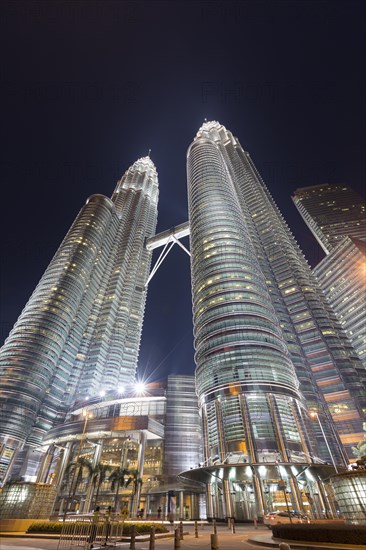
[[296, 495], [45, 465], [209, 501], [64, 462], [229, 509], [259, 495], [220, 431], [148, 504], [195, 509], [181, 505], [61, 472]]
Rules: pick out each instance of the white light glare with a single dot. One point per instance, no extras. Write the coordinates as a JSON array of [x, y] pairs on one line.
[[121, 390], [140, 387], [102, 393]]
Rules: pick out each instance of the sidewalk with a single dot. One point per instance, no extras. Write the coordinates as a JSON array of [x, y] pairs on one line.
[[244, 538]]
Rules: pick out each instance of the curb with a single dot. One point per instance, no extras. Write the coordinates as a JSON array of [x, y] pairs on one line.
[[303, 544]]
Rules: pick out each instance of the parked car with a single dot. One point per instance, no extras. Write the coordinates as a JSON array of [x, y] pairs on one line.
[[273, 518]]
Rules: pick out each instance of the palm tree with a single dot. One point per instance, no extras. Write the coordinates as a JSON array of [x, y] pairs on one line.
[[75, 469], [135, 496], [118, 479], [99, 476], [360, 450]]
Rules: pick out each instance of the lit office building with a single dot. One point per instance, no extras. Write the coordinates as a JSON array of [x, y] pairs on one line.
[[80, 331], [277, 382], [336, 215], [332, 212], [342, 276]]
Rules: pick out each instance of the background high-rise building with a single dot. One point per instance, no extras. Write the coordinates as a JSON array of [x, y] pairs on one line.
[[331, 212], [336, 215], [80, 331], [276, 378]]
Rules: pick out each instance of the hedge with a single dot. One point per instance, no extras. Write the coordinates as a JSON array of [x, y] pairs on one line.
[[343, 534], [46, 527], [56, 527], [144, 528]]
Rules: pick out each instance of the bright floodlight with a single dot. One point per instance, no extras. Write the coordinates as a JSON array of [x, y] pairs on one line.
[[140, 387], [121, 390], [102, 393]]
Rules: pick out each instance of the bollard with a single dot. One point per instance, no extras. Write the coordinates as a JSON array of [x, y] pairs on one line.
[[214, 542], [133, 538], [152, 539], [181, 530], [232, 522], [196, 529], [284, 546], [176, 539], [214, 527]]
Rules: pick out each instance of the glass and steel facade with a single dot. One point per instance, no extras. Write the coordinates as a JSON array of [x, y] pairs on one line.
[[151, 434], [268, 347], [331, 212], [342, 276], [336, 215], [80, 331], [350, 491]]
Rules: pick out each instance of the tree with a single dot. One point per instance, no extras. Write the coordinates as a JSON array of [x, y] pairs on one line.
[[118, 479], [99, 476], [360, 449], [75, 471], [135, 497]]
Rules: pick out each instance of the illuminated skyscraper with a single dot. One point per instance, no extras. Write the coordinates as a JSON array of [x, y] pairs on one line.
[[276, 380], [336, 215], [332, 212], [80, 331], [342, 276]]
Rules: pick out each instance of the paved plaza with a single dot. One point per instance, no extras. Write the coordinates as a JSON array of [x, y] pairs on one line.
[[227, 540], [244, 538]]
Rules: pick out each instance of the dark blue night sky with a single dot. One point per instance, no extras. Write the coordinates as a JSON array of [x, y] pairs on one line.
[[89, 86]]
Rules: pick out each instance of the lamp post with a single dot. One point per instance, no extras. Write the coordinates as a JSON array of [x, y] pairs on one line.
[[315, 415], [87, 416]]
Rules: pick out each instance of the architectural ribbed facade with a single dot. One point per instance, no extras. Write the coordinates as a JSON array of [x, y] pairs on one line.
[[336, 215], [274, 374], [80, 331], [342, 276]]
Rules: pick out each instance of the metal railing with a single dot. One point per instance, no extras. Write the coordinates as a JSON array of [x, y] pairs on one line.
[[90, 531]]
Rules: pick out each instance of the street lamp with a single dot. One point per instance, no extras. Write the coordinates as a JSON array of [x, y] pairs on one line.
[[315, 415]]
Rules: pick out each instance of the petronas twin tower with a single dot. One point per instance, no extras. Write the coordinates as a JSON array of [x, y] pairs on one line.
[[278, 384], [81, 328]]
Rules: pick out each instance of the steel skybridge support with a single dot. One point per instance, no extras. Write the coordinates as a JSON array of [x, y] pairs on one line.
[[167, 239]]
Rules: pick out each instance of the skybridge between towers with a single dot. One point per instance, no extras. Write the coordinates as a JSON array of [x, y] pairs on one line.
[[167, 239]]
